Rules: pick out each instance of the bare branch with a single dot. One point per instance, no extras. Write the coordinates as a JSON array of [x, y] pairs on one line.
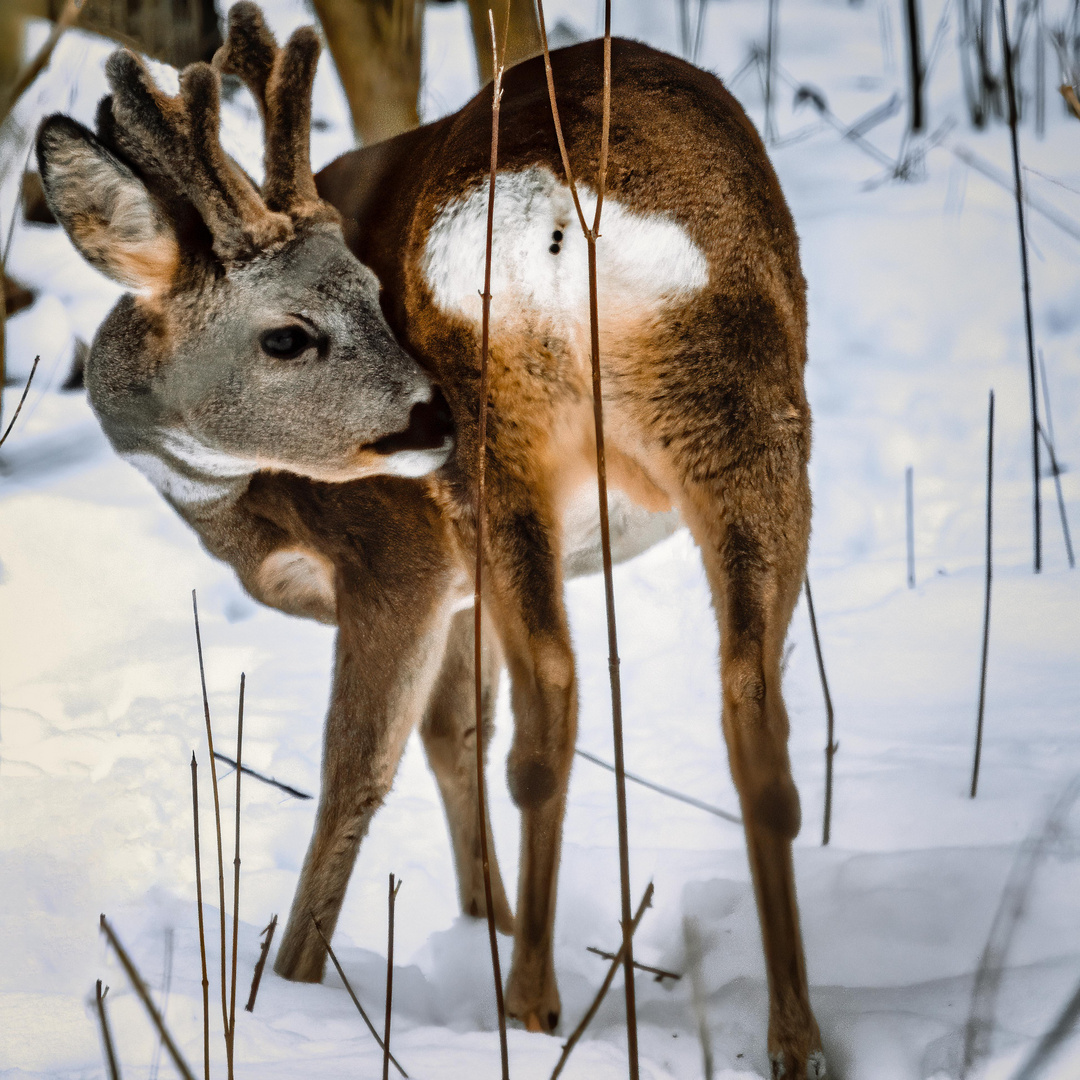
[[355, 999], [144, 995], [264, 951]]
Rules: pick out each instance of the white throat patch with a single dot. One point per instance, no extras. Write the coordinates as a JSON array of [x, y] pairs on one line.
[[539, 255], [187, 471]]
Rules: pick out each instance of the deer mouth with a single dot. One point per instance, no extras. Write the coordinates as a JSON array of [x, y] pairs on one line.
[[431, 427]]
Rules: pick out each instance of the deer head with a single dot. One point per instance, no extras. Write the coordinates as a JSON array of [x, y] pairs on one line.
[[253, 338]]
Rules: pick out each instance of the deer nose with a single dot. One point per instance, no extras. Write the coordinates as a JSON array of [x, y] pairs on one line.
[[430, 425]]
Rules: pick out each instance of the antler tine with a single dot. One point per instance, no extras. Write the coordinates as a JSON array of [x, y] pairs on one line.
[[249, 223], [249, 50], [280, 79], [290, 184], [178, 137]]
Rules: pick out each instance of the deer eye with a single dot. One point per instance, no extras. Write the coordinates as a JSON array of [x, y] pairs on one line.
[[286, 342]]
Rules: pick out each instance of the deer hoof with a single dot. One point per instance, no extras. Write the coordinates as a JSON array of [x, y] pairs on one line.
[[815, 1066]]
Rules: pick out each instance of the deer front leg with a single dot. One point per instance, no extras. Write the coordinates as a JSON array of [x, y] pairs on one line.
[[449, 734], [388, 654], [525, 589]]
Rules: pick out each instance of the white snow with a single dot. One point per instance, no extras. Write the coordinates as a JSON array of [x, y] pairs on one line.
[[915, 313]]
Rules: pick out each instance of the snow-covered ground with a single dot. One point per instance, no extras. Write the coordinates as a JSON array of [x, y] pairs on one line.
[[915, 313]]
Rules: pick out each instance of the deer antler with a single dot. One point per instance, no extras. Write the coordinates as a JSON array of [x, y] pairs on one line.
[[177, 138], [280, 79]]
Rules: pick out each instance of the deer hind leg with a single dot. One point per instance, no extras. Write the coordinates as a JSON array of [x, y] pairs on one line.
[[735, 458], [525, 588], [753, 544], [385, 665], [449, 734]]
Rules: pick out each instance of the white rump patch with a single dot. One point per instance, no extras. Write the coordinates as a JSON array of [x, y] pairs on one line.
[[643, 261]]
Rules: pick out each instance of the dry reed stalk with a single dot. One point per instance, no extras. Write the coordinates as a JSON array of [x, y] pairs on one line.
[[389, 973], [986, 607], [202, 928], [697, 992], [770, 44], [106, 1034], [1055, 468], [66, 19], [1047, 1046], [147, 1000], [830, 745], [236, 872], [915, 64], [619, 957], [355, 999], [481, 509], [591, 235], [1029, 328], [220, 852], [26, 390], [264, 951], [1010, 911], [155, 1062]]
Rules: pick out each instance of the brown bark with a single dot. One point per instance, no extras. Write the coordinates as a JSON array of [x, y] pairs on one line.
[[522, 35], [377, 46]]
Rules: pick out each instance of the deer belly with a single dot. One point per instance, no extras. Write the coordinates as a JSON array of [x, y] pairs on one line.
[[634, 529]]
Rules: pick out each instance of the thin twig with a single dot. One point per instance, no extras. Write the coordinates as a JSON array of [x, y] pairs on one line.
[[591, 236], [391, 898], [106, 1034], [697, 992], [264, 951], [217, 825], [1048, 1044], [1011, 909], [830, 746], [147, 1000], [1066, 224], [202, 928], [660, 973], [1029, 328], [355, 999], [986, 607], [18, 408], [1048, 439], [236, 873], [294, 792], [568, 1048], [671, 793], [481, 511], [770, 63], [166, 980]]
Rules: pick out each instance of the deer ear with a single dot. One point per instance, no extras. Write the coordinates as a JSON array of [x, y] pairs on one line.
[[111, 217]]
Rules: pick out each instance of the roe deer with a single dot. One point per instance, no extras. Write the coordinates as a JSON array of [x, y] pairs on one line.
[[703, 335]]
